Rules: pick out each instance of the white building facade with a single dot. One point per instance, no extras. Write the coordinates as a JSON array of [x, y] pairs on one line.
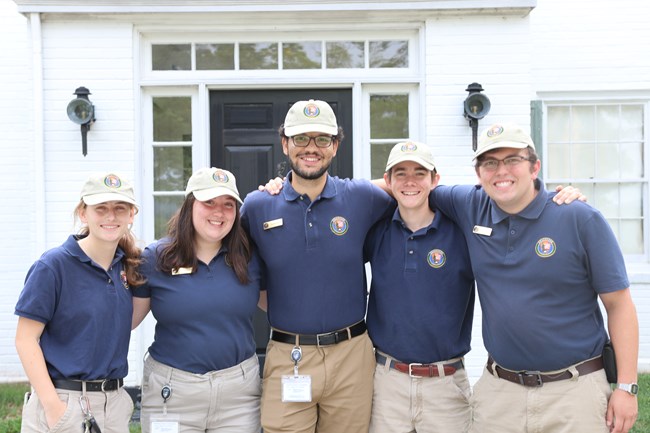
[[158, 73]]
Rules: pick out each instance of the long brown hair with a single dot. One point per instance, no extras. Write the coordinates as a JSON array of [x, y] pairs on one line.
[[179, 252], [132, 253]]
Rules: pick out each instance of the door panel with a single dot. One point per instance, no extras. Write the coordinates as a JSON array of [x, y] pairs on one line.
[[244, 139]]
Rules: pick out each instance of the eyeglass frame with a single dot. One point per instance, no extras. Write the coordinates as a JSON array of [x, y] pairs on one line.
[[331, 140], [518, 158]]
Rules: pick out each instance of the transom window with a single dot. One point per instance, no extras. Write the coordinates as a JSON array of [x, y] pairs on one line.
[[600, 149], [317, 54]]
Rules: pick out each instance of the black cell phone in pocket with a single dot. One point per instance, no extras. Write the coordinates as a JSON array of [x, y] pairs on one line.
[[609, 362]]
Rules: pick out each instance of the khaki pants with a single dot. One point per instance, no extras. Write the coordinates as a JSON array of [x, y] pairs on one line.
[[575, 405], [341, 383], [224, 401], [112, 411], [404, 404]]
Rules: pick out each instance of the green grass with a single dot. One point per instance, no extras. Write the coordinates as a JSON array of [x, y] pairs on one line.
[[11, 400]]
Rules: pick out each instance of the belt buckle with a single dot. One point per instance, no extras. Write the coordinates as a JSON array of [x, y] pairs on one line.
[[103, 385], [326, 335], [536, 374], [411, 365]]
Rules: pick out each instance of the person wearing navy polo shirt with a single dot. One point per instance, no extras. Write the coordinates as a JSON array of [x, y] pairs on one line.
[[203, 286], [75, 314], [420, 306], [319, 364], [540, 270]]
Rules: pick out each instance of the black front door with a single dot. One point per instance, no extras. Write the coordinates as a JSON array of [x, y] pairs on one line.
[[244, 139]]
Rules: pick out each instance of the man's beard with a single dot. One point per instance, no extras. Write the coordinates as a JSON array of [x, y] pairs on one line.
[[309, 175]]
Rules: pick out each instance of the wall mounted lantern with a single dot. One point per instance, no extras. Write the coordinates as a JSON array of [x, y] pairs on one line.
[[476, 106], [82, 112]]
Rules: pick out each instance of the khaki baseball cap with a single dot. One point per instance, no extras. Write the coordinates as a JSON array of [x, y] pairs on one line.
[[503, 135], [209, 183], [310, 116], [411, 151], [103, 187]]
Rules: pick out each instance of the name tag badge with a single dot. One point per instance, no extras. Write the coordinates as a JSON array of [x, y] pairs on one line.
[[165, 423], [296, 389], [272, 224], [483, 231], [181, 271]]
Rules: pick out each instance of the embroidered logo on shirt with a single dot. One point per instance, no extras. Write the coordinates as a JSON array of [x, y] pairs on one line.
[[339, 225], [436, 258], [125, 282], [545, 247]]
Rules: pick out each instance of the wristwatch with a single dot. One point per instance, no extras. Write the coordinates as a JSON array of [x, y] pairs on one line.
[[632, 388]]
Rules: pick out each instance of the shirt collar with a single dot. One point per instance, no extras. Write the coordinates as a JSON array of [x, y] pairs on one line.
[[290, 194], [531, 212]]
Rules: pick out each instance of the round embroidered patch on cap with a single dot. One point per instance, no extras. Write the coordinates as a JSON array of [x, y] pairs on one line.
[[220, 177], [409, 147], [112, 181], [495, 130], [311, 110]]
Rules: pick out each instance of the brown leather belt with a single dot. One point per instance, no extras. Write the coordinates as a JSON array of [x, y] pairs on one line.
[[326, 339], [536, 378], [420, 370]]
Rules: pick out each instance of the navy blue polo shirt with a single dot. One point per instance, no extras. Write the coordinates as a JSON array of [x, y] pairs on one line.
[[421, 302], [313, 252], [538, 274], [86, 311], [204, 320]]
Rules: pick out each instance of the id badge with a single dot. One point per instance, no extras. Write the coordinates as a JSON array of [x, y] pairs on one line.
[[296, 389], [165, 423]]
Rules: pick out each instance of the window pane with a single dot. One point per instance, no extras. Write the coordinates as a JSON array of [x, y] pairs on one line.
[[345, 54], [172, 168], [258, 56], [164, 208], [389, 116], [582, 124], [631, 237], [302, 55], [631, 123], [378, 158], [607, 156], [171, 57], [559, 124], [607, 200], [607, 123], [631, 155], [389, 54], [172, 119], [583, 160], [559, 157], [630, 200], [215, 56]]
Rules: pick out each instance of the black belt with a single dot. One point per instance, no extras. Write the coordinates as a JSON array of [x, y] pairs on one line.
[[421, 370], [536, 378], [91, 385], [326, 339]]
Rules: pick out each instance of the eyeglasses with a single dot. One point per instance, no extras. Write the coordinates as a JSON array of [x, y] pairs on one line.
[[493, 164], [320, 141]]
